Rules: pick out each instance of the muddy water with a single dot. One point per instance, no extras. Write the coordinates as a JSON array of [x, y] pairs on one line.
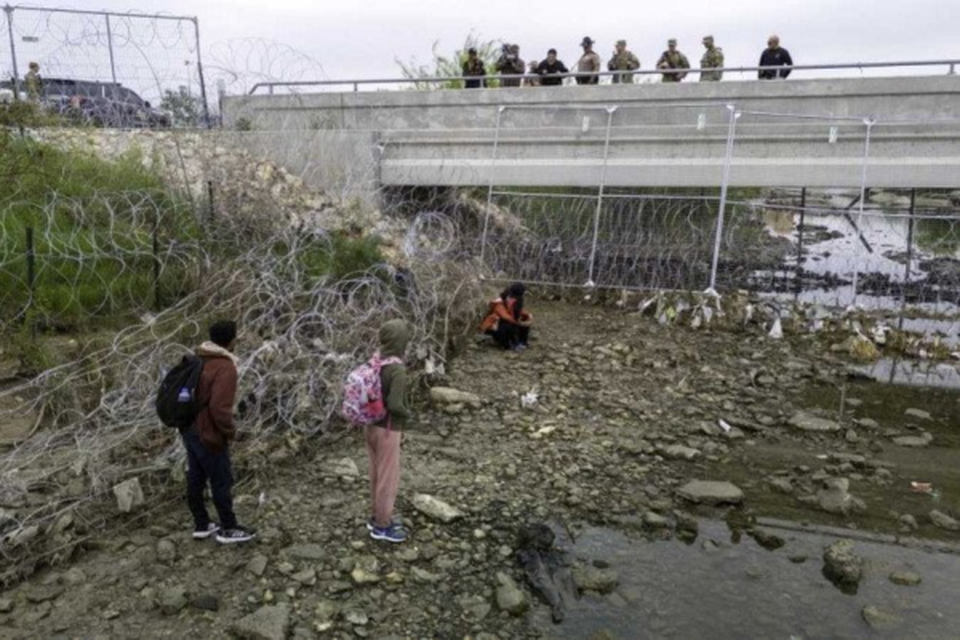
[[723, 586], [874, 244], [727, 586]]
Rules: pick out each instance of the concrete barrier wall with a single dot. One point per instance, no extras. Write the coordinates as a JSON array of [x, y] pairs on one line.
[[660, 135]]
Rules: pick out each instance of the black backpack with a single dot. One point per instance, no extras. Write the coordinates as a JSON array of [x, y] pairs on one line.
[[177, 402]]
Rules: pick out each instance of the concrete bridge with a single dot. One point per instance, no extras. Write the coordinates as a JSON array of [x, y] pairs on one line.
[[882, 132]]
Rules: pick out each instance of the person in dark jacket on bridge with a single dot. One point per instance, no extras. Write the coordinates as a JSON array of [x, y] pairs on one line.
[[775, 56], [549, 69]]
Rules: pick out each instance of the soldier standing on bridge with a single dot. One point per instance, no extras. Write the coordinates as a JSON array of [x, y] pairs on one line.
[[34, 83], [623, 60], [589, 63], [510, 64], [673, 59], [775, 56], [712, 59], [473, 70]]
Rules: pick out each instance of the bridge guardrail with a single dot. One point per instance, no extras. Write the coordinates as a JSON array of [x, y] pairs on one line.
[[951, 65]]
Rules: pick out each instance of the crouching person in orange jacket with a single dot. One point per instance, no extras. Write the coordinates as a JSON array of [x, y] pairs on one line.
[[507, 321]]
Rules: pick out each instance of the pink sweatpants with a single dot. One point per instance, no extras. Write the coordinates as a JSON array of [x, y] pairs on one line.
[[383, 447]]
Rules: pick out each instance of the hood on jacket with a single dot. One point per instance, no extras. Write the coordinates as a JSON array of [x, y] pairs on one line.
[[212, 350], [395, 335]]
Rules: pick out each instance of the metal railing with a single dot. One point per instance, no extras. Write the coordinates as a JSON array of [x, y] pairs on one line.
[[950, 64]]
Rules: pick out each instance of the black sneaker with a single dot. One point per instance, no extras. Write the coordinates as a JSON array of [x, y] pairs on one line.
[[203, 534], [235, 535]]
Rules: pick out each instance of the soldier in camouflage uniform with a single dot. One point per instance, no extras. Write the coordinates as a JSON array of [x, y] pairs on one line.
[[712, 59], [623, 60], [673, 59], [34, 83]]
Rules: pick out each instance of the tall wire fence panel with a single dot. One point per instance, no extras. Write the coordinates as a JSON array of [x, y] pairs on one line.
[[831, 246], [123, 67]]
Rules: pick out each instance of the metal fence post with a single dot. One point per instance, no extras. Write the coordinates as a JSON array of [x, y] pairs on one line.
[[798, 284], [13, 51], [913, 204], [603, 184], [869, 122], [493, 161], [31, 280], [724, 185], [203, 84], [210, 202], [113, 65], [156, 261]]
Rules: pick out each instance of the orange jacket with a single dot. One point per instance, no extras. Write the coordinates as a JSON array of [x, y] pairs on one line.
[[501, 309]]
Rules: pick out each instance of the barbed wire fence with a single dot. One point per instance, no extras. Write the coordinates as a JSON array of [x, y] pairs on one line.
[[832, 247], [155, 56], [253, 237]]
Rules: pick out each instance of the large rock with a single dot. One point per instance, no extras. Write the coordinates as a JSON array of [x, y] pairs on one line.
[[172, 599], [905, 578], [878, 619], [590, 578], [808, 422], [835, 497], [510, 597], [920, 441], [345, 468], [942, 520], [680, 452], [437, 509], [129, 495], [257, 565], [711, 492], [447, 396], [166, 551], [267, 623], [842, 566], [918, 413]]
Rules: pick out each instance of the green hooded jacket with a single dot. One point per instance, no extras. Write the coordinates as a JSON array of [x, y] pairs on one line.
[[394, 337]]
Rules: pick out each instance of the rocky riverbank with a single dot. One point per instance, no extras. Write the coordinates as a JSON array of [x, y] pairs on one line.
[[611, 419]]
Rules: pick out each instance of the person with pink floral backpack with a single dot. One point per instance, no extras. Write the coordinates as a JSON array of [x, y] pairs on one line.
[[375, 398]]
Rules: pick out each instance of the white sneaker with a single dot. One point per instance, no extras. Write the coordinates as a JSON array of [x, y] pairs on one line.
[[203, 534]]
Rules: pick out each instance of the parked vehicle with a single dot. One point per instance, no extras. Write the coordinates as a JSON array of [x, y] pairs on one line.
[[101, 104]]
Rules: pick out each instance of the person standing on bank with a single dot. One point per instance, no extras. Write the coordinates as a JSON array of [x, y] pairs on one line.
[[623, 60], [589, 63], [383, 438], [207, 440], [473, 70], [549, 70], [775, 56], [712, 59], [673, 59], [34, 83]]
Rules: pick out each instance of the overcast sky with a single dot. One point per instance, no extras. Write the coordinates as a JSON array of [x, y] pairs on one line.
[[363, 39]]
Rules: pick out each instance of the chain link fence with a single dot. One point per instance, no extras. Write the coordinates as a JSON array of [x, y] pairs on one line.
[[833, 247], [120, 69]]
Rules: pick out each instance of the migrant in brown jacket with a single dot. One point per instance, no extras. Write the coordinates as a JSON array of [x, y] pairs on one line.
[[217, 392]]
